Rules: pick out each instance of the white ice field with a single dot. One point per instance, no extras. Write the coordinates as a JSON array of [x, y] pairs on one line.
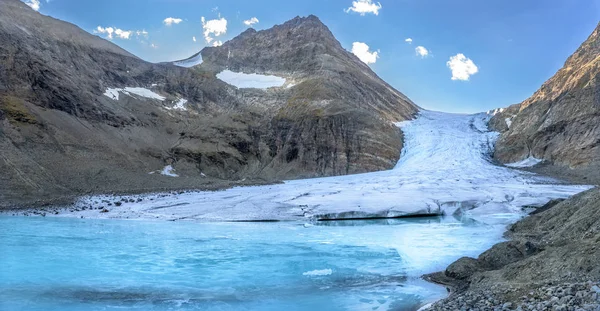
[[444, 169], [253, 80]]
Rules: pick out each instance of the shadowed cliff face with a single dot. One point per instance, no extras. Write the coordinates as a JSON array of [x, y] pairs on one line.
[[61, 137], [560, 123]]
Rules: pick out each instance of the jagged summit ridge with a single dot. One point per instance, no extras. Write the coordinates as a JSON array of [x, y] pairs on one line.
[[297, 45]]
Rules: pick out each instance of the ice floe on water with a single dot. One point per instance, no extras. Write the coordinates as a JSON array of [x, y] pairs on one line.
[[113, 93], [189, 62], [253, 80], [318, 272], [444, 169], [529, 162]]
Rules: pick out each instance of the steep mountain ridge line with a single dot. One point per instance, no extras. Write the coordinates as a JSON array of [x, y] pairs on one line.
[[47, 24], [573, 71], [559, 123], [61, 137]]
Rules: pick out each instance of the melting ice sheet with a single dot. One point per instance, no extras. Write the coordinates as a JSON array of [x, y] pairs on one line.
[[444, 168], [244, 80], [84, 264]]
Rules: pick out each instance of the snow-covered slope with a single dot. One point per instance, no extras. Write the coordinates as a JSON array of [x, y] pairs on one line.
[[444, 168]]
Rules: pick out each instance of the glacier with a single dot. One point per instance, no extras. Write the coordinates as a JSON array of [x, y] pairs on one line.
[[445, 169]]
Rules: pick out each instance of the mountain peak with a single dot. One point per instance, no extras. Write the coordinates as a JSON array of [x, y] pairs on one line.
[[294, 46], [298, 20], [308, 22]]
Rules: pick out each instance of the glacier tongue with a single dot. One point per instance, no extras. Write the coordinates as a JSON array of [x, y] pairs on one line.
[[444, 168]]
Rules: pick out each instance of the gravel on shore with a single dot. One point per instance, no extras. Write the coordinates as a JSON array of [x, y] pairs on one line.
[[583, 296]]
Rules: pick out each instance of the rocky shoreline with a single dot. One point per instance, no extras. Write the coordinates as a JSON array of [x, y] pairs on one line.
[[564, 297], [551, 262]]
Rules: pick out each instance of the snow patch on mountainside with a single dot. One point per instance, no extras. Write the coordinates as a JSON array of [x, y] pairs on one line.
[[178, 105], [253, 80], [190, 62], [169, 171], [113, 93], [445, 168], [529, 162]]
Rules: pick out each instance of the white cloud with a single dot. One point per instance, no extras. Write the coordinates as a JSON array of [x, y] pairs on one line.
[[154, 46], [364, 6], [251, 21], [421, 51], [194, 38], [172, 20], [123, 34], [108, 31], [111, 32], [361, 50], [409, 40], [462, 67], [214, 27], [217, 43], [34, 4]]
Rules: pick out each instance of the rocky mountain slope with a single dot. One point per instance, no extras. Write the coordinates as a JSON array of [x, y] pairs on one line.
[[80, 115], [560, 123]]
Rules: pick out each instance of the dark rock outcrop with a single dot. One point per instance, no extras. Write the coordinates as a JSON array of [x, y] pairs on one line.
[[60, 137], [560, 123]]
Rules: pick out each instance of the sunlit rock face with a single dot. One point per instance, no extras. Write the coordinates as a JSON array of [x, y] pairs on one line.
[[560, 123]]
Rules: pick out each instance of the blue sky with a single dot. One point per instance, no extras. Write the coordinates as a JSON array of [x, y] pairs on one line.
[[515, 44]]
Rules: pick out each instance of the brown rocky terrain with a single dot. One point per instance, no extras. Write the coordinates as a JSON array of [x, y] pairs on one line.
[[560, 123], [60, 137]]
